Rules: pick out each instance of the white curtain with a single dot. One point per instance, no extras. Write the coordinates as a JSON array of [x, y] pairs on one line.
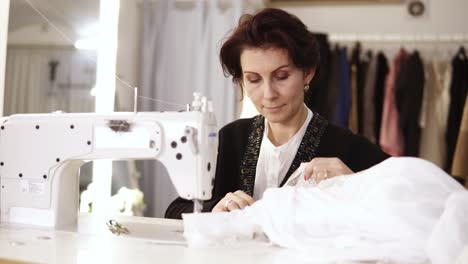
[[30, 88], [180, 48], [23, 80]]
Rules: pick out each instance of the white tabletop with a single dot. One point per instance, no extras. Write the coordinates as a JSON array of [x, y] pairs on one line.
[[151, 240]]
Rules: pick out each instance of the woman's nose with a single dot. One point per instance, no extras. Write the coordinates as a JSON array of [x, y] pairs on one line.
[[269, 91]]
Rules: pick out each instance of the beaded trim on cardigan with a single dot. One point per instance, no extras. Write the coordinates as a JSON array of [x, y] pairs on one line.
[[252, 151], [306, 152]]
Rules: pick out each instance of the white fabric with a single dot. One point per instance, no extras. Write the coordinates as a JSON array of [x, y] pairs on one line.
[[395, 211], [180, 49], [274, 162], [450, 233], [463, 258]]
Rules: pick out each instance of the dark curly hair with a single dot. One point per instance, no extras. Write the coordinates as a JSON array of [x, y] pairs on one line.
[[269, 28]]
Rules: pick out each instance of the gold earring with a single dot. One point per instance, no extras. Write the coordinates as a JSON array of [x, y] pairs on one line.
[[306, 88]]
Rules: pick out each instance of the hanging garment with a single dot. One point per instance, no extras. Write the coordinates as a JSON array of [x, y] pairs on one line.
[[343, 104], [381, 74], [362, 71], [391, 137], [356, 76], [315, 97], [458, 93], [434, 112], [353, 113], [460, 159], [394, 211], [329, 106], [368, 113], [409, 89]]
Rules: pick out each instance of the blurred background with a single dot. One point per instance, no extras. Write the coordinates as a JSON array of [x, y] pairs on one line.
[[380, 60]]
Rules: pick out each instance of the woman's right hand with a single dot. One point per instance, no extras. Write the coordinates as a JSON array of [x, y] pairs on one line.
[[233, 201]]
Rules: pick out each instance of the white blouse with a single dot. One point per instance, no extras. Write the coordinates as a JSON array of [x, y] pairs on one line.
[[274, 162]]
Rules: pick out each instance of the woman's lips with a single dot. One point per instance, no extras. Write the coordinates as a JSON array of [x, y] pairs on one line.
[[273, 109]]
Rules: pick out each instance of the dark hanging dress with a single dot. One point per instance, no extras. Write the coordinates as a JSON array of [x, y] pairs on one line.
[[458, 93]]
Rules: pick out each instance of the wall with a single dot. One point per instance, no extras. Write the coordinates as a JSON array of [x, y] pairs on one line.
[[38, 34], [442, 17], [4, 8]]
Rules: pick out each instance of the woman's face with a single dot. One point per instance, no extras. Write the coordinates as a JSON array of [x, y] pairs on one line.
[[273, 83]]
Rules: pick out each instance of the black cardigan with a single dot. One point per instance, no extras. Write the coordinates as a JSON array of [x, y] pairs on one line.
[[239, 146]]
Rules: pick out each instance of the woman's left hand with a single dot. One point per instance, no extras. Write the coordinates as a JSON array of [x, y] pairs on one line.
[[319, 169]]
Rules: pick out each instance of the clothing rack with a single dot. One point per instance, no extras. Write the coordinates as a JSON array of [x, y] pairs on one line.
[[399, 38]]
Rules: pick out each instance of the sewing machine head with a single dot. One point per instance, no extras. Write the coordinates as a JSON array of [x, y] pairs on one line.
[[40, 156]]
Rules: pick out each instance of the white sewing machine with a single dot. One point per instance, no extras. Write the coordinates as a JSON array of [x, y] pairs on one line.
[[40, 156]]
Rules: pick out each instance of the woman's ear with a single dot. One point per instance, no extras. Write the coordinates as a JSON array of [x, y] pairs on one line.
[[309, 75]]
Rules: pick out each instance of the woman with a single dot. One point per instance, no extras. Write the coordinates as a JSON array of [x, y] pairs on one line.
[[273, 58]]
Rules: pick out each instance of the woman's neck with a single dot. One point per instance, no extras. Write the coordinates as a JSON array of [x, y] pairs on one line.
[[281, 133]]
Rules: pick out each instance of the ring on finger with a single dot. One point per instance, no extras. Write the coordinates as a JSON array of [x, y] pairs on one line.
[[226, 203]]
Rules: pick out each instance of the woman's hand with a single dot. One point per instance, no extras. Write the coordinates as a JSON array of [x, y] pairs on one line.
[[234, 201], [319, 169]]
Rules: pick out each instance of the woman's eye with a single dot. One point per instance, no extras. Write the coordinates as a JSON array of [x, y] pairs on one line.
[[254, 80], [282, 77]]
